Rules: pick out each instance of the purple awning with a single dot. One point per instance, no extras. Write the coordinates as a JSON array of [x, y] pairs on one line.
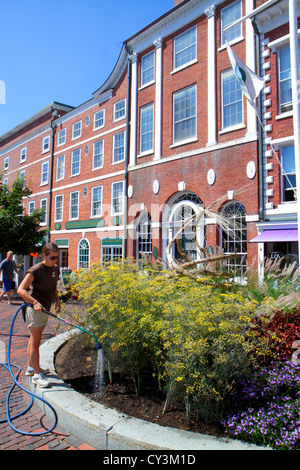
[[286, 235]]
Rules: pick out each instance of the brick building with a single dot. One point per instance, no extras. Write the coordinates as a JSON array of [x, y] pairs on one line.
[[168, 132]]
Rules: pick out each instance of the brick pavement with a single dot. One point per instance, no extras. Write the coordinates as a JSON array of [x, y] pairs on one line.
[[34, 421]]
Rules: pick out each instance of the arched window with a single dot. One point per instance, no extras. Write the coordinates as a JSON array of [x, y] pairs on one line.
[[234, 240], [144, 236], [83, 254], [181, 208]]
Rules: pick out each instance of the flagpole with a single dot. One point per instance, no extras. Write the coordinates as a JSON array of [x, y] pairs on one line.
[[294, 54]]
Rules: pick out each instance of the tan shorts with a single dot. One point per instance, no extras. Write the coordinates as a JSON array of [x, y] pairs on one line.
[[35, 318]]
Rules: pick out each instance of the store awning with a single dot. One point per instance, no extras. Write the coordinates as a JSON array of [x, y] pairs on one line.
[[285, 235]]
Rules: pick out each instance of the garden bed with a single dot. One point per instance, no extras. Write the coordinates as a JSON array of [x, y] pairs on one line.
[[75, 364]]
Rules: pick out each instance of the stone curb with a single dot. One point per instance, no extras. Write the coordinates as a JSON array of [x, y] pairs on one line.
[[107, 429]]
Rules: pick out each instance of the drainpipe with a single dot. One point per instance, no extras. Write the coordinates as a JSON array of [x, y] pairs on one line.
[[260, 130], [54, 115], [127, 151]]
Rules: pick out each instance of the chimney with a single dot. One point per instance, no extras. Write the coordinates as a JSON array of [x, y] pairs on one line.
[[176, 2]]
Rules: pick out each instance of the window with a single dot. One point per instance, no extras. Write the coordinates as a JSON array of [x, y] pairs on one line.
[[31, 207], [144, 233], [6, 163], [58, 216], [74, 205], [99, 119], [230, 14], [83, 254], [97, 201], [23, 155], [119, 110], [43, 206], [45, 173], [23, 177], [75, 163], [285, 82], [46, 144], [98, 148], [60, 168], [119, 147], [234, 241], [184, 114], [117, 197], [288, 176], [109, 254], [76, 130], [61, 139], [147, 128], [232, 100], [185, 48], [147, 68]]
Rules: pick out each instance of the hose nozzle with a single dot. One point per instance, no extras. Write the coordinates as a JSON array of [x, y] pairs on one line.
[[98, 346]]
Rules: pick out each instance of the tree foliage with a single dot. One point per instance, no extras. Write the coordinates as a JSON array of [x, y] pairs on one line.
[[19, 232]]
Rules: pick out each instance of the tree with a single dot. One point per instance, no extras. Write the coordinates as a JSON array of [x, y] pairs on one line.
[[19, 232]]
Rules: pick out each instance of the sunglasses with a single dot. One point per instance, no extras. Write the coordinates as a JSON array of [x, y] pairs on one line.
[[53, 257]]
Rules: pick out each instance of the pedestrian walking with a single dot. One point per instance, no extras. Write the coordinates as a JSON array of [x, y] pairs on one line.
[[9, 268]]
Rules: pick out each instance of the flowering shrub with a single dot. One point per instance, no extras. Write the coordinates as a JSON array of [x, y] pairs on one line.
[[188, 336], [267, 408]]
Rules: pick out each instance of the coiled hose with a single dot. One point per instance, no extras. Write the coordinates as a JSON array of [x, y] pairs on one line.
[[8, 365]]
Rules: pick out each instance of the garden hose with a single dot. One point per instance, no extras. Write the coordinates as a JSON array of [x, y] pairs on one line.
[[98, 345], [9, 366]]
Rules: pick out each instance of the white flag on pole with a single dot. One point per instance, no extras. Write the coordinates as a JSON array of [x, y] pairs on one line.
[[251, 83]]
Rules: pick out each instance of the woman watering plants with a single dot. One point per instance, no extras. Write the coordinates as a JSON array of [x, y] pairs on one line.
[[42, 278]]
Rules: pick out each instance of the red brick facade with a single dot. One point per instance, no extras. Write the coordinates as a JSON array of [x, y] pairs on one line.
[[169, 173]]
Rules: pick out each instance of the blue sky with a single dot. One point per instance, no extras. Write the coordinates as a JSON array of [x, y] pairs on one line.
[[63, 50]]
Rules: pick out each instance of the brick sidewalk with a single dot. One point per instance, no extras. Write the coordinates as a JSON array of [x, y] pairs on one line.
[[34, 421]]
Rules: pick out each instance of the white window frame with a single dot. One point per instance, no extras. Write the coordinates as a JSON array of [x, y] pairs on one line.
[[98, 118], [95, 212], [235, 33], [44, 205], [150, 131], [59, 197], [241, 100], [110, 253], [150, 69], [191, 138], [61, 138], [121, 112], [6, 163], [60, 167], [45, 173], [46, 144], [74, 154], [72, 206], [115, 148], [177, 40], [31, 207], [76, 130], [288, 177], [100, 154], [83, 264], [120, 198], [23, 155]]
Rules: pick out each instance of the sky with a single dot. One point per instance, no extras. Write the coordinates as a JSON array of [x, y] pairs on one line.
[[62, 50]]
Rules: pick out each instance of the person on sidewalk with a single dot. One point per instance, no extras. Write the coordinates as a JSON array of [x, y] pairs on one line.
[[8, 267], [42, 278]]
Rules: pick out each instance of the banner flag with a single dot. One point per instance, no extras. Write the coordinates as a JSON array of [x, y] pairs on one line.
[[251, 83]]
